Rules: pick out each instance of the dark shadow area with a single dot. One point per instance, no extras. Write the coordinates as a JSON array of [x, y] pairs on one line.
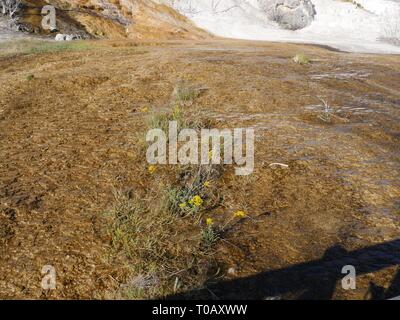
[[394, 289], [380, 293], [311, 280]]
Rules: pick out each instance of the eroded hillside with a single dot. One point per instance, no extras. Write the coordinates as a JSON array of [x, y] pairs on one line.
[[133, 19]]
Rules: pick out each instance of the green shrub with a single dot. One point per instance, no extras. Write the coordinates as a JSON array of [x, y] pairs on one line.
[[301, 59]]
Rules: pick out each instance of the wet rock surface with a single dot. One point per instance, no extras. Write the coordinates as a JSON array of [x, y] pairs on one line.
[[67, 141]]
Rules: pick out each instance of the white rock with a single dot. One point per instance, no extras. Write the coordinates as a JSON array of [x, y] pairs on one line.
[[67, 37], [289, 14], [232, 271], [60, 37]]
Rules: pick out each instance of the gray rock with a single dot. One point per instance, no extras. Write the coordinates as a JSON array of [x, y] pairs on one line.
[[289, 14]]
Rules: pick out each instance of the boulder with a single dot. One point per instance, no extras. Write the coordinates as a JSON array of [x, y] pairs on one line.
[[67, 37], [289, 14], [60, 37]]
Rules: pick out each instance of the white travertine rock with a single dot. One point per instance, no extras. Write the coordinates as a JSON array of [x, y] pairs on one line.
[[289, 14], [67, 37]]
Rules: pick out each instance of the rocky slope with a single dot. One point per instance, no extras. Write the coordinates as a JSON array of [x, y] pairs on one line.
[[361, 26], [133, 19]]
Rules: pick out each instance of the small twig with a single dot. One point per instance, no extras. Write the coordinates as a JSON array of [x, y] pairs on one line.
[[275, 164]]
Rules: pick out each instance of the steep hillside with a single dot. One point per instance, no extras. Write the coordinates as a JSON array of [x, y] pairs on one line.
[[133, 19]]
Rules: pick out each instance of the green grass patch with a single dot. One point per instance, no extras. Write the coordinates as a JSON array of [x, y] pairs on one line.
[[51, 47], [209, 236], [26, 47]]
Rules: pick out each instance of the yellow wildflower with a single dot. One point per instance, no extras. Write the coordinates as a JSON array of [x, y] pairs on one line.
[[196, 201], [239, 214], [206, 184], [209, 221], [144, 109], [183, 205], [152, 169]]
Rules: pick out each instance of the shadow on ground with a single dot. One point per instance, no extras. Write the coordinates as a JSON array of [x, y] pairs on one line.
[[312, 280]]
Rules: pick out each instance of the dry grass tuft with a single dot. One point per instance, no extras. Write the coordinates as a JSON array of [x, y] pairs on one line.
[[159, 232], [185, 93], [145, 234]]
